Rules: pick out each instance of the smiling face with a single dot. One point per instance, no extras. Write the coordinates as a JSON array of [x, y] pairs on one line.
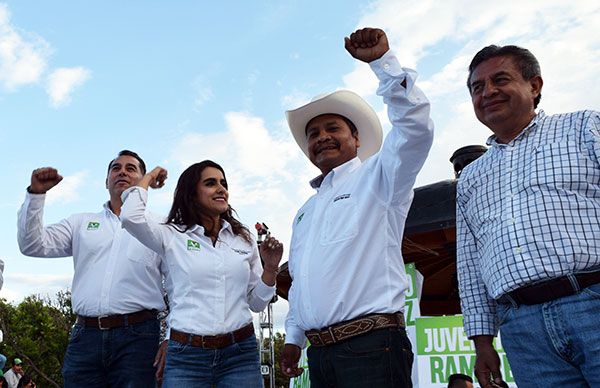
[[331, 142], [211, 193], [502, 99], [123, 173]]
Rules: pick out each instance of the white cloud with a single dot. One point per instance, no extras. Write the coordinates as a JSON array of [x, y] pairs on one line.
[[19, 285], [68, 189], [62, 82], [361, 80], [267, 173], [440, 38], [40, 280], [23, 55], [295, 100]]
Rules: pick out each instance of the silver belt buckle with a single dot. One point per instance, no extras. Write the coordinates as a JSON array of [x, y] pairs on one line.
[[100, 322]]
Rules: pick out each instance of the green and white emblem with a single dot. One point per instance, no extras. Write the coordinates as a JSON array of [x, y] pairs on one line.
[[193, 245], [93, 225]]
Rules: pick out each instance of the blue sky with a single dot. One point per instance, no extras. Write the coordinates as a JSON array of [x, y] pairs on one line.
[[184, 81]]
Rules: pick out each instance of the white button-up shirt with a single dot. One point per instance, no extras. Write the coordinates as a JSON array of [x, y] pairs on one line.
[[345, 257], [211, 289], [113, 272]]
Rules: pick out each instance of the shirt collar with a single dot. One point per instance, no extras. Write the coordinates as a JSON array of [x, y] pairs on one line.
[[108, 210], [493, 140], [336, 174], [224, 226]]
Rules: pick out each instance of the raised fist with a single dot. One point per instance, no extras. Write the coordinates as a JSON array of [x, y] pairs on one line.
[[367, 44], [43, 179]]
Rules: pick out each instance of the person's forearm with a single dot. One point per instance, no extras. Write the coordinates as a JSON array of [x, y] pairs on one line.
[[269, 276]]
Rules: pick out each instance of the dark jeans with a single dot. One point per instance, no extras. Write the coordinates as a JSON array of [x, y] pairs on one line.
[[120, 357], [379, 359], [235, 366]]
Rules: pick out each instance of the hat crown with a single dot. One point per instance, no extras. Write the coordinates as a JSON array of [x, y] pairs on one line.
[[344, 103]]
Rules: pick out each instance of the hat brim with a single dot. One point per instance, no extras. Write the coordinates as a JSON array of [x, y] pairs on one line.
[[344, 103]]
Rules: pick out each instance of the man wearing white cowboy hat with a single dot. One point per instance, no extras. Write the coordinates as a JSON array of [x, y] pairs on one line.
[[349, 282]]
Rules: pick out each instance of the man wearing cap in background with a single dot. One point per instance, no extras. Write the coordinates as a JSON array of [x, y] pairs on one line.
[[14, 374], [349, 282]]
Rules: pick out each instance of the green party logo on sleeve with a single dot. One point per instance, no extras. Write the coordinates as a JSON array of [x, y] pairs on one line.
[[299, 218], [193, 245], [93, 225]]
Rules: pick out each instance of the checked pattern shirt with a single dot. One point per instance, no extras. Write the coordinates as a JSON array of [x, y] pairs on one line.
[[528, 211]]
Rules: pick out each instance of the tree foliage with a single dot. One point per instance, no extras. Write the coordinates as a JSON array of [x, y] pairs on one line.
[[37, 331], [280, 379]]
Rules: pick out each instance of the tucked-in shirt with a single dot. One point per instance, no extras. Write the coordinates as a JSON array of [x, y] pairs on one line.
[[528, 211], [211, 289], [113, 272], [345, 258]]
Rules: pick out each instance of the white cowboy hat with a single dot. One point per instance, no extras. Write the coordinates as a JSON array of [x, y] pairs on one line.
[[344, 103]]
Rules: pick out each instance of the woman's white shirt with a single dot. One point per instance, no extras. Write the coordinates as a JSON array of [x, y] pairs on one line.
[[211, 289]]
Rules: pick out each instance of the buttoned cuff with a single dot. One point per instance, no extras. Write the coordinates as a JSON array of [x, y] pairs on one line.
[[480, 324], [263, 291], [392, 76], [143, 193], [387, 66]]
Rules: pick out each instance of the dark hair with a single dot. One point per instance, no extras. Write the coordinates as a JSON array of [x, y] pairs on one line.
[[129, 153], [186, 210], [24, 380], [524, 59], [457, 377], [350, 124]]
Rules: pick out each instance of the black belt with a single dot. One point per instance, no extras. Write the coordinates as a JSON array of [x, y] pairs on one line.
[[551, 289], [106, 322]]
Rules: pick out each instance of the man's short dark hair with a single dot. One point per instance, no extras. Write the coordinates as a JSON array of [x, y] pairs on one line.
[[524, 59], [458, 377], [349, 123], [132, 154]]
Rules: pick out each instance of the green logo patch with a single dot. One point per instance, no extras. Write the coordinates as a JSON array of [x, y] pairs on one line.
[[299, 218], [93, 225], [193, 245]]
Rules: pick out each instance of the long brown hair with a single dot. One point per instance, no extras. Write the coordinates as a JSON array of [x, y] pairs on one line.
[[186, 210]]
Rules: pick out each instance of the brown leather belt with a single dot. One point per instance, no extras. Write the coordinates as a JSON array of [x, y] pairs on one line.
[[348, 329], [213, 341], [550, 290], [106, 322]]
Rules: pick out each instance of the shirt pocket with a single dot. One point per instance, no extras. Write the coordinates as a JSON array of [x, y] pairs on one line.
[[340, 222], [559, 165], [140, 254]]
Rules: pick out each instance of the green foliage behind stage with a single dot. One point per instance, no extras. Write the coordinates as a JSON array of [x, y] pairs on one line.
[[37, 331]]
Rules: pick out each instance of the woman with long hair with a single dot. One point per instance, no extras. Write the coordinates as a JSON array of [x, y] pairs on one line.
[[213, 278]]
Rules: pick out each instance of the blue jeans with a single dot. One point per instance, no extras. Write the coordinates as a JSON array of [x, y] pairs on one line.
[[120, 357], [554, 344], [379, 359], [234, 366]]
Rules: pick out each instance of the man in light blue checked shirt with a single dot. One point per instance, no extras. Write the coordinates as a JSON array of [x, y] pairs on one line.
[[528, 230]]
